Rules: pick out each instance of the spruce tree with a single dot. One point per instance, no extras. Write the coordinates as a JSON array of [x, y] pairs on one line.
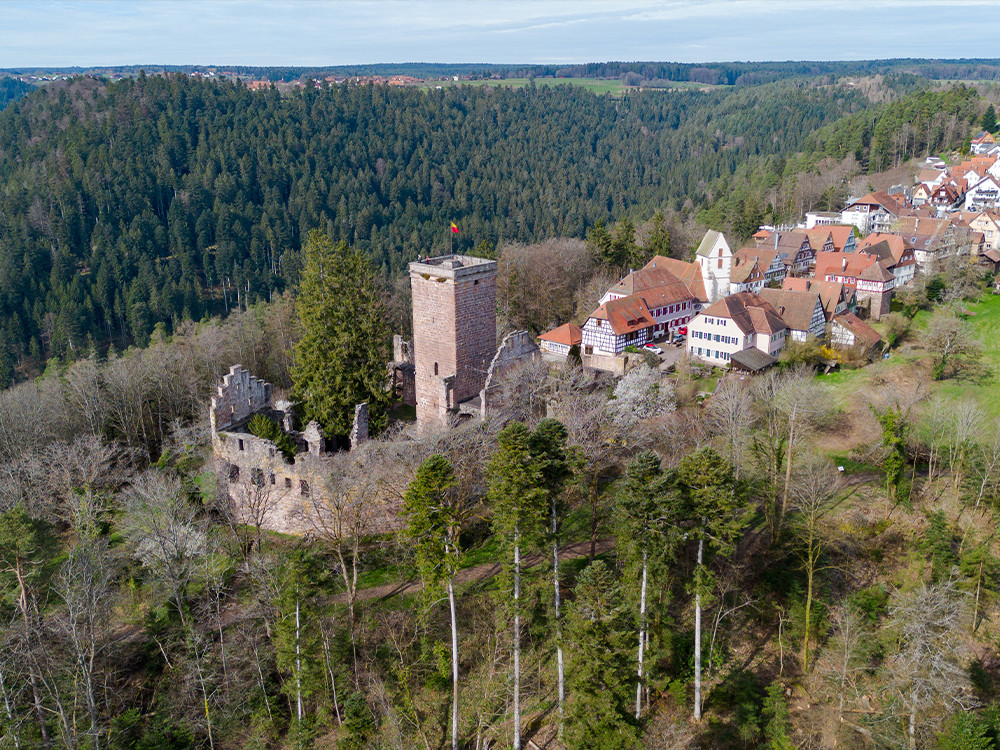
[[989, 121], [599, 625], [548, 447], [341, 358], [717, 516]]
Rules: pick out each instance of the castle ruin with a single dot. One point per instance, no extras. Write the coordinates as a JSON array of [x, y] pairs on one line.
[[263, 486], [451, 370]]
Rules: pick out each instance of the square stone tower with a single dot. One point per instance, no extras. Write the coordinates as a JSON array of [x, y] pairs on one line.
[[454, 332]]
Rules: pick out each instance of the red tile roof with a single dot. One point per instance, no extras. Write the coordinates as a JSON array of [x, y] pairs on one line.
[[625, 315], [749, 311], [567, 334], [689, 273]]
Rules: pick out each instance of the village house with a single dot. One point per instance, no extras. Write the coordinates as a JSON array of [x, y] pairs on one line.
[[922, 194], [801, 311], [934, 239], [559, 341], [769, 262], [794, 249], [904, 264], [733, 324], [832, 238], [987, 222], [617, 324], [834, 296], [984, 195], [869, 276], [747, 276], [874, 212], [982, 142], [820, 218], [945, 196], [848, 330]]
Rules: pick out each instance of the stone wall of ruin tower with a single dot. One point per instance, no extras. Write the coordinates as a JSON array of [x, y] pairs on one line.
[[454, 331]]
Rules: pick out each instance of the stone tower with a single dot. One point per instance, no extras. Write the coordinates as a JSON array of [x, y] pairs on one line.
[[454, 332]]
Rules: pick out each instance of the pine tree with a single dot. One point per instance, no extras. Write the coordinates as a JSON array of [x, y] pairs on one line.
[[717, 516], [599, 625], [518, 501], [548, 447], [340, 361], [642, 512], [296, 640], [435, 516]]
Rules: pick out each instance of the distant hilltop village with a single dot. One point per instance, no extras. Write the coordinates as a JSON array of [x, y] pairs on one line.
[[254, 84]]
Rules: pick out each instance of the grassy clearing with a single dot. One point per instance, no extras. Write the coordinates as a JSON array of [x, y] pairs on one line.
[[907, 364], [984, 317]]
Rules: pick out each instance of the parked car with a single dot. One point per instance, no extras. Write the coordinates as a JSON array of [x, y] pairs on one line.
[[652, 348]]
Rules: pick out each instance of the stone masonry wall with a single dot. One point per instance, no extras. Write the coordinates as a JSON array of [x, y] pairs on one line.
[[291, 496], [238, 397], [454, 331], [517, 348]]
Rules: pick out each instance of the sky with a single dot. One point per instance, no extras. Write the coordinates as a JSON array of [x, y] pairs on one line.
[[62, 33]]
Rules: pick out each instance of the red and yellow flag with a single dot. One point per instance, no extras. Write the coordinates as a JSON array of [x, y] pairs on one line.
[[454, 228]]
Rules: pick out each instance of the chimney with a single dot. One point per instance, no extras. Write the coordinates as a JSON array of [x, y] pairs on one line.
[[776, 234], [781, 310], [843, 264], [808, 284]]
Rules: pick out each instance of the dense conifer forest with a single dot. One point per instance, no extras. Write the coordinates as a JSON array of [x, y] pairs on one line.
[[156, 199]]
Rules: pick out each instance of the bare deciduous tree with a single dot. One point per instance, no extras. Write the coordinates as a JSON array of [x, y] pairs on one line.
[[926, 672]]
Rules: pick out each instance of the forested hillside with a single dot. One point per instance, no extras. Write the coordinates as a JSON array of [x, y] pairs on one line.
[[11, 89], [157, 199]]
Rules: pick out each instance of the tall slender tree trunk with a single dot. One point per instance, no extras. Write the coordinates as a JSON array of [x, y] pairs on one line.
[[298, 663], [559, 649], [642, 638], [697, 636], [36, 693], [810, 575], [10, 711], [454, 665], [788, 464], [517, 642], [329, 671]]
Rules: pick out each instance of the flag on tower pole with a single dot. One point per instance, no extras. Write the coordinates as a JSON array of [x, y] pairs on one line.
[[454, 228]]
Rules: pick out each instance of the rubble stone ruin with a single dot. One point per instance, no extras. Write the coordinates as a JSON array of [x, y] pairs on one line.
[[265, 487]]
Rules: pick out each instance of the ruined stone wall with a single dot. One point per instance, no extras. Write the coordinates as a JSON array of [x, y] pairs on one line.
[[291, 497], [516, 349], [238, 397]]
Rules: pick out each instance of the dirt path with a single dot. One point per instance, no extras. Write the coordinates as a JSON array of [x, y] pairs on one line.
[[476, 572]]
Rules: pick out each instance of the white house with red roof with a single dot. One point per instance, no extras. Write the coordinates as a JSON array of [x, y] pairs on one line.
[[735, 324], [560, 340]]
